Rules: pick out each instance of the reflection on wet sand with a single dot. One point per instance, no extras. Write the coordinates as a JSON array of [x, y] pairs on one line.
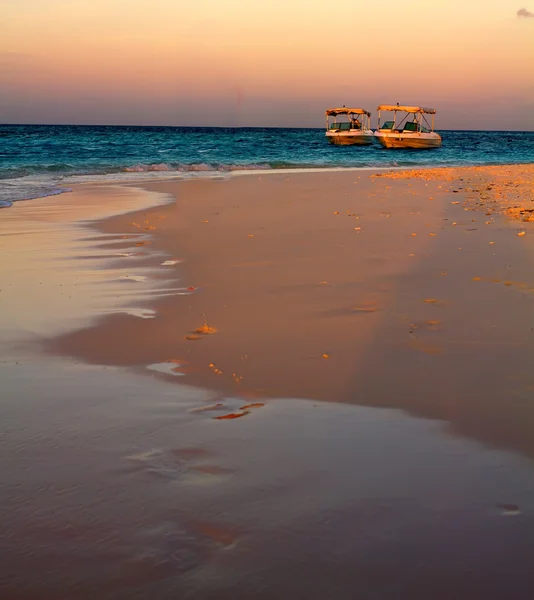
[[152, 499], [185, 477], [406, 320], [57, 273]]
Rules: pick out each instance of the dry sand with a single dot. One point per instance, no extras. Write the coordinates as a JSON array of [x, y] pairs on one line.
[[375, 289], [506, 190]]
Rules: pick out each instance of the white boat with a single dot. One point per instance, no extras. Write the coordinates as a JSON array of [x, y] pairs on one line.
[[411, 131], [353, 128]]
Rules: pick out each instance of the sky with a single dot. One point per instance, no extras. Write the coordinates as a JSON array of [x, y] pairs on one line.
[[281, 63]]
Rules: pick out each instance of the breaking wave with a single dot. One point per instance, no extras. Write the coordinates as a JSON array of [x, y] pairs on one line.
[[197, 167]]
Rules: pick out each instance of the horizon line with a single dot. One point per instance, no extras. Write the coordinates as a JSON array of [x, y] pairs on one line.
[[228, 127]]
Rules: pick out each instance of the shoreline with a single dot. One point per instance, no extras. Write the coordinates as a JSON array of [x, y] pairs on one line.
[[149, 176], [253, 249], [53, 252]]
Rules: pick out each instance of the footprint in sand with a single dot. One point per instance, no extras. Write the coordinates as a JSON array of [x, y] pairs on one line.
[[152, 462], [206, 471], [234, 415], [179, 545], [509, 510], [252, 405], [242, 412], [177, 464], [430, 325], [167, 549]]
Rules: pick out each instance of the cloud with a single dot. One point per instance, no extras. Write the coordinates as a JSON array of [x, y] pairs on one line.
[[523, 12]]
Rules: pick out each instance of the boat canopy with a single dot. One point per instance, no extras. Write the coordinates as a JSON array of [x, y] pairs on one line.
[[332, 112], [409, 109]]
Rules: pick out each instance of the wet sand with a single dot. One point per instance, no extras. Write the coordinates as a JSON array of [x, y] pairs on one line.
[[121, 481], [116, 487], [371, 289], [55, 277]]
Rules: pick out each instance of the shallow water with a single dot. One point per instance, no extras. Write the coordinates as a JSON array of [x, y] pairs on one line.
[[57, 275]]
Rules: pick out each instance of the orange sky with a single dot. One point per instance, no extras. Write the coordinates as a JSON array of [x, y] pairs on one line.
[[268, 62]]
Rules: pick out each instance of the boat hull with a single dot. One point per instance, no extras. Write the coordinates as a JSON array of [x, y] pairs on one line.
[[418, 141], [348, 138]]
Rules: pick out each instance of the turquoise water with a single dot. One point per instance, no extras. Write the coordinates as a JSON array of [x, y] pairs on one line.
[[37, 160]]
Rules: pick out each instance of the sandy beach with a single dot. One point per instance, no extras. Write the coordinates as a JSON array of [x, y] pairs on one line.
[[374, 289], [266, 300], [271, 385]]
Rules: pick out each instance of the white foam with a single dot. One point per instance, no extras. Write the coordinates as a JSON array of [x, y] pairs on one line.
[[141, 313], [29, 188], [169, 368], [137, 278]]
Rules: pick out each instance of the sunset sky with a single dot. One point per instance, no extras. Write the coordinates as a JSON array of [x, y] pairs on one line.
[[265, 62]]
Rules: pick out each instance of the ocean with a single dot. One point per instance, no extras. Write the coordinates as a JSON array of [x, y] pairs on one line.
[[41, 160]]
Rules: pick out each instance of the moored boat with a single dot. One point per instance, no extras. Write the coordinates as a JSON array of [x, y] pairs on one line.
[[351, 126], [411, 131]]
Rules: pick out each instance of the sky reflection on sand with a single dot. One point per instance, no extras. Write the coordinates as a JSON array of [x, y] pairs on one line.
[[45, 287], [121, 485], [203, 508]]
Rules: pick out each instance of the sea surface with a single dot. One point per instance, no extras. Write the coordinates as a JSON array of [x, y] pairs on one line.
[[41, 160]]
